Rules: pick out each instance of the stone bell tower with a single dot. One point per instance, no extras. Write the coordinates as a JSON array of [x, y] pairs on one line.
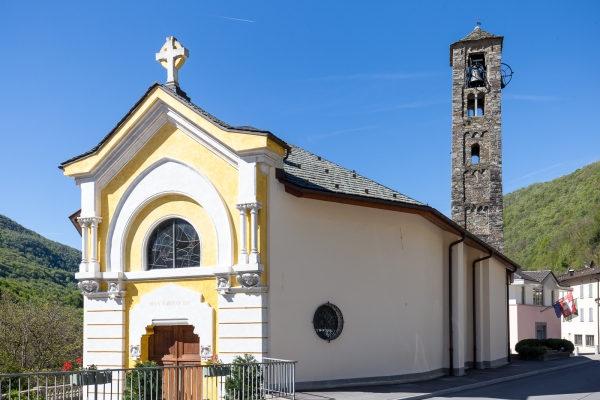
[[477, 81]]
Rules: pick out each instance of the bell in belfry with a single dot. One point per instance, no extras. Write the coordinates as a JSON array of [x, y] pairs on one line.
[[476, 78]]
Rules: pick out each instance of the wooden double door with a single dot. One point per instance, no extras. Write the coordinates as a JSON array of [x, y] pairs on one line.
[[175, 346]]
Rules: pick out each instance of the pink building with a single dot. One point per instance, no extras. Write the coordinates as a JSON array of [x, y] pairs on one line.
[[531, 296]]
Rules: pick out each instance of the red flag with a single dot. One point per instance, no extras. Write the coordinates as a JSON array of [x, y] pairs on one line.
[[568, 305]]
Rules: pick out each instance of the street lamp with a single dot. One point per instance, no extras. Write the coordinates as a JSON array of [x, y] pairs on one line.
[[571, 271]]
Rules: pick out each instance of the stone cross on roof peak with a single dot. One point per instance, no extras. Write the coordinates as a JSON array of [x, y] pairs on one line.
[[172, 55]]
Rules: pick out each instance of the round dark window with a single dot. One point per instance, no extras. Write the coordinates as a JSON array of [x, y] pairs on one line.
[[328, 322], [174, 243]]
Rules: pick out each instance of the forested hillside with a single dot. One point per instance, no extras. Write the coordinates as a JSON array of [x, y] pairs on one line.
[[556, 224], [32, 266]]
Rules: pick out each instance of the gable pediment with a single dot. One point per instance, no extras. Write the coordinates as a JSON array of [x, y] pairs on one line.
[[159, 107]]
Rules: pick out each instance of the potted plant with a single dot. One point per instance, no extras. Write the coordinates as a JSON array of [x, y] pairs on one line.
[[86, 376], [215, 367]]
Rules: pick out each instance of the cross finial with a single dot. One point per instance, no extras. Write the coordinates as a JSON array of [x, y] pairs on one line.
[[172, 55]]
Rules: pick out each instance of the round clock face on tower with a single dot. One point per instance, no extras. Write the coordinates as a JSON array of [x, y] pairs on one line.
[[328, 322]]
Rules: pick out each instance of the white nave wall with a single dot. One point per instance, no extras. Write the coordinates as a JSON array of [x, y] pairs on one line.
[[387, 272], [377, 267]]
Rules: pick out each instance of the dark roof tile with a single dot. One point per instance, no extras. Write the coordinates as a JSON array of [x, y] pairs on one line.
[[307, 170]]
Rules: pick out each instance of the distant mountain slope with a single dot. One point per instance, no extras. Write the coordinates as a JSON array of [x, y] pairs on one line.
[[33, 266], [555, 224]]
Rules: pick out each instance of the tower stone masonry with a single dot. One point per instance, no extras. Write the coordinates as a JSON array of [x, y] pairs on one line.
[[477, 135]]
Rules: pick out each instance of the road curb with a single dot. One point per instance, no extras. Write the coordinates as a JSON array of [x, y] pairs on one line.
[[490, 382]]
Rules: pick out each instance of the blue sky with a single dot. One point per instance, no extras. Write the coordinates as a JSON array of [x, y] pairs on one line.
[[363, 84]]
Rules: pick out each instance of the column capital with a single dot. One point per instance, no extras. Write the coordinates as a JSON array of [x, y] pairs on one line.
[[254, 206], [89, 221], [83, 221]]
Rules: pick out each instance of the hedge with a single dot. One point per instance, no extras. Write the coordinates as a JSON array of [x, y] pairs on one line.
[[532, 348]]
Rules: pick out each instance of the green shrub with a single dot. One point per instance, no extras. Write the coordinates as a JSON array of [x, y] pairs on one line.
[[532, 348], [16, 395], [143, 384], [245, 381]]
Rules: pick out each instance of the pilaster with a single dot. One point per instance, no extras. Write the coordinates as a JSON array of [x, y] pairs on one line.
[[459, 310], [242, 325]]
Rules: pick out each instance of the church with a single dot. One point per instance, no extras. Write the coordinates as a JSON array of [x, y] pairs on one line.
[[210, 239]]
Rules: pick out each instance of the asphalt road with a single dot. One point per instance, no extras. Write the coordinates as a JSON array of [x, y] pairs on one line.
[[582, 382]]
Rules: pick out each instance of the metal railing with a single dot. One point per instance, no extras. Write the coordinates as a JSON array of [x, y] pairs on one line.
[[269, 379]]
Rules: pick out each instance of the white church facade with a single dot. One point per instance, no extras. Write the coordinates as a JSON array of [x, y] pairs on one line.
[[229, 240]]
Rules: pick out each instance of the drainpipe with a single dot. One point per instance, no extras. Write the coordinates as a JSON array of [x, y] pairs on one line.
[[475, 311], [598, 313], [507, 319], [451, 349]]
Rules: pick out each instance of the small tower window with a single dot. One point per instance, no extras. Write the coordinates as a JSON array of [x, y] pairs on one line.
[[480, 104], [475, 105], [471, 105], [475, 154]]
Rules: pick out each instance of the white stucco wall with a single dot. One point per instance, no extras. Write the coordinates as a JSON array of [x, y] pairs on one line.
[[386, 271], [388, 286], [584, 303]]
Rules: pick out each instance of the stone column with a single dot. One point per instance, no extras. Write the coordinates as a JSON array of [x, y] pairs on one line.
[[94, 266], [254, 255], [83, 266], [243, 254]]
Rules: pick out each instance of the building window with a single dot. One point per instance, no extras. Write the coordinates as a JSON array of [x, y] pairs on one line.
[[591, 291], [471, 105], [589, 340], [591, 317], [552, 297], [475, 105], [581, 291], [540, 330], [522, 294], [174, 243], [475, 154], [538, 297], [581, 315], [578, 340]]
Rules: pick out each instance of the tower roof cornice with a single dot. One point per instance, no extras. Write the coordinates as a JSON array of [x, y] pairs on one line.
[[477, 34]]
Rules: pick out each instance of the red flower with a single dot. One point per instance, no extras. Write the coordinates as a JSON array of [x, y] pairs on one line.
[[67, 366], [79, 360]]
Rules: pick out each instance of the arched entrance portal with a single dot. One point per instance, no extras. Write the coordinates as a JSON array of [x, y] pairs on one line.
[[174, 345]]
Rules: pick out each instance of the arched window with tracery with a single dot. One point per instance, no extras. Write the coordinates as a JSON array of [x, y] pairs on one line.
[[174, 243]]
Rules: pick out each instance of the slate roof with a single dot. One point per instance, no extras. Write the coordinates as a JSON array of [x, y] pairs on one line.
[[537, 276], [579, 274], [477, 34], [185, 100], [307, 170]]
